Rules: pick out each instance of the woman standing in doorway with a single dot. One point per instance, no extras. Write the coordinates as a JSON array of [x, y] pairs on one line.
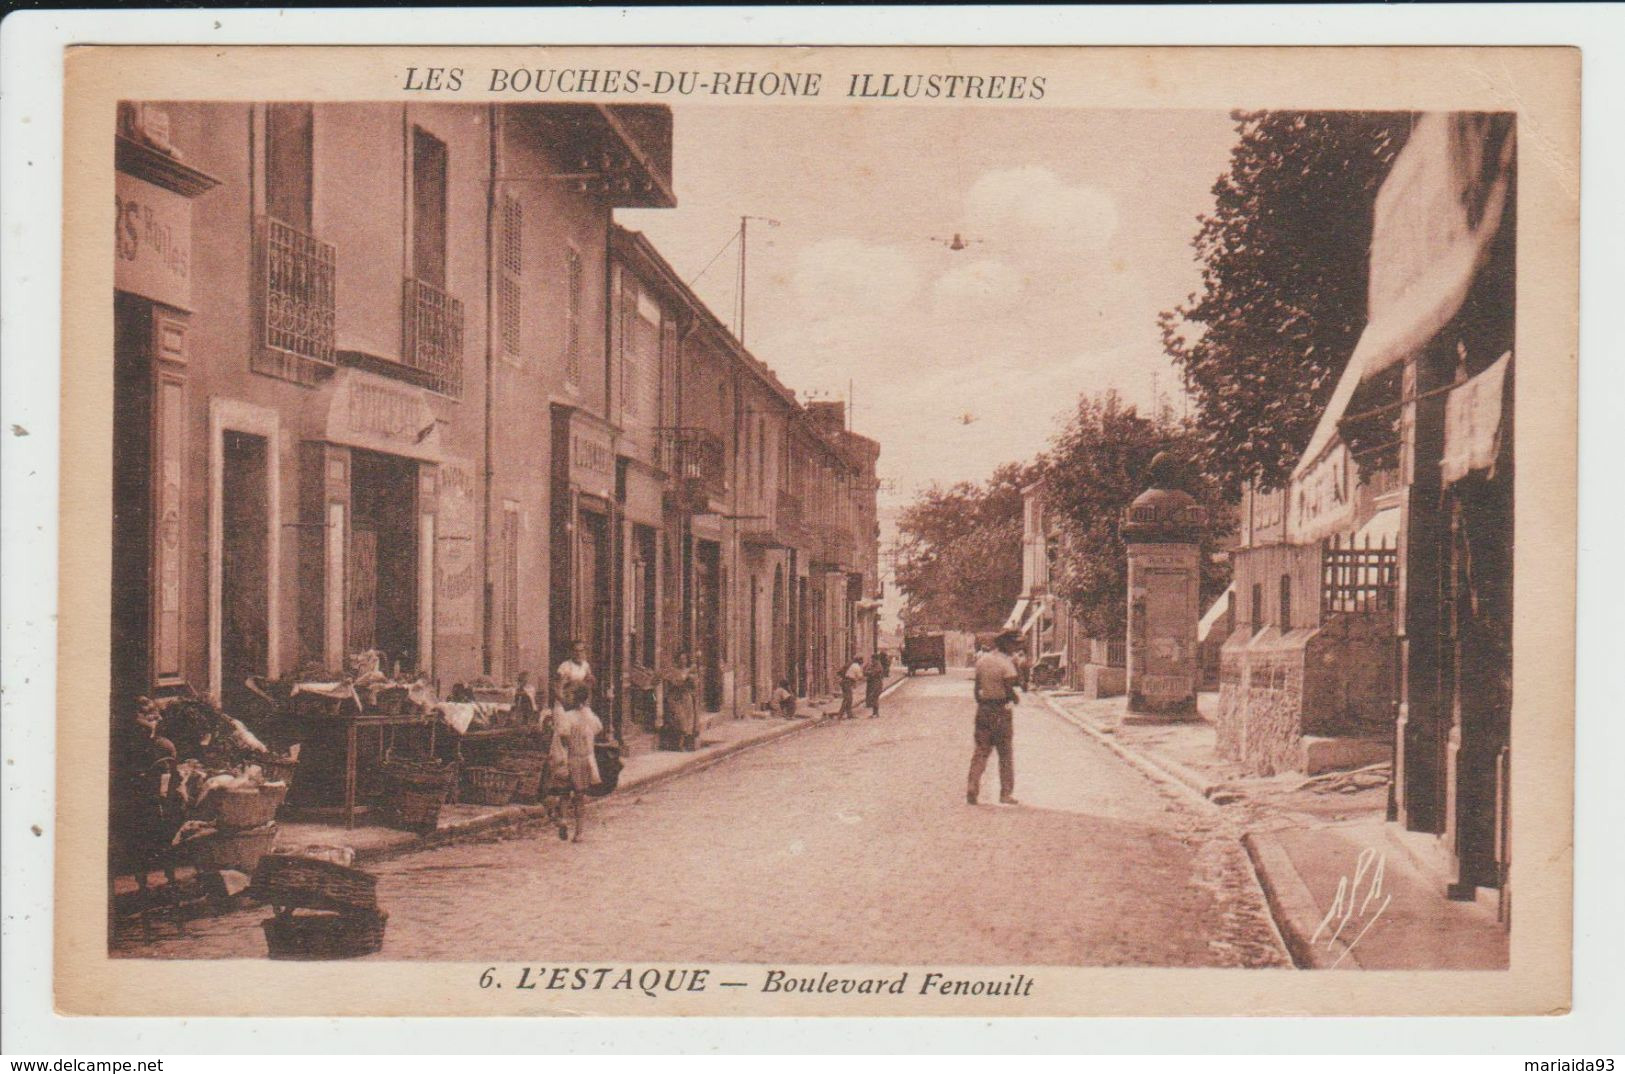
[[682, 700]]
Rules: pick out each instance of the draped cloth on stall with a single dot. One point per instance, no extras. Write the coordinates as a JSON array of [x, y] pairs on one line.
[[1436, 218]]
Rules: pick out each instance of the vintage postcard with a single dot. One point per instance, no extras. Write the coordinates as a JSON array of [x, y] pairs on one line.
[[817, 531]]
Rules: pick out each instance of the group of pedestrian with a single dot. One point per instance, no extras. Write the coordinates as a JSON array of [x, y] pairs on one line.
[[871, 675]]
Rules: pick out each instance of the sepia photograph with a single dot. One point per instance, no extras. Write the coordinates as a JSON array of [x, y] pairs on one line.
[[691, 528]]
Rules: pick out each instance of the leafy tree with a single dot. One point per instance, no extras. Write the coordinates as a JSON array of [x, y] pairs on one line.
[[1095, 468], [959, 561], [1284, 275]]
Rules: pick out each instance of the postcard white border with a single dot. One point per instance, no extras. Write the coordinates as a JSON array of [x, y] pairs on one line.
[[30, 200]]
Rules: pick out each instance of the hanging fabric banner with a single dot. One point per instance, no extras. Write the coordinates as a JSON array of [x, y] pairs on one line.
[[1472, 423]]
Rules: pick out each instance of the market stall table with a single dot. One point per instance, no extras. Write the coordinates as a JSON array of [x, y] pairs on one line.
[[310, 728]]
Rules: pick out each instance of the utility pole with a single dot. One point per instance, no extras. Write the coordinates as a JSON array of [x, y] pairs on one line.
[[744, 223]]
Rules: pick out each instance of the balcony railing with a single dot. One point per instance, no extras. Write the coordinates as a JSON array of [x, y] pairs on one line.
[[294, 275], [432, 337], [694, 458]]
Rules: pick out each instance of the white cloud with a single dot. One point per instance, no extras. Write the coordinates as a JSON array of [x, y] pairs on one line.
[[1032, 205]]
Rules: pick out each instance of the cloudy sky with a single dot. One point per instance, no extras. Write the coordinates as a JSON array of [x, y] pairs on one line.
[[1078, 226]]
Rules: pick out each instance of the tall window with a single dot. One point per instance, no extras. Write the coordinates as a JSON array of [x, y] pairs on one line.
[[288, 164], [428, 208], [1286, 603], [1258, 607], [510, 268], [573, 281]]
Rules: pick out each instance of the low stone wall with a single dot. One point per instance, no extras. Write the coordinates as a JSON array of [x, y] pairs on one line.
[[1275, 689], [1101, 680]]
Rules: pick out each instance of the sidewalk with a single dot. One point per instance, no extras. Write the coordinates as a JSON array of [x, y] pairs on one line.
[[646, 768], [1346, 888], [720, 739]]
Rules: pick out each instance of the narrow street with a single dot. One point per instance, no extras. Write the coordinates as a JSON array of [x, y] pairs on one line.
[[851, 842]]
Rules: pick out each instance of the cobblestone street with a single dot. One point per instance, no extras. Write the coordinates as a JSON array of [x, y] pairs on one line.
[[851, 842]]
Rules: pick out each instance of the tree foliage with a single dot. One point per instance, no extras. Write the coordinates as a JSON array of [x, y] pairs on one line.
[[959, 561], [1284, 277], [1096, 466]]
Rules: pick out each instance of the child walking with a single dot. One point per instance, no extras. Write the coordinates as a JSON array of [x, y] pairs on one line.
[[574, 729]]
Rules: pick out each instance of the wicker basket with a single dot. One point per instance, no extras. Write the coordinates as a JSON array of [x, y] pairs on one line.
[[390, 700], [531, 766], [324, 936], [279, 769], [489, 786], [251, 806], [290, 880], [423, 776], [240, 850], [414, 810]]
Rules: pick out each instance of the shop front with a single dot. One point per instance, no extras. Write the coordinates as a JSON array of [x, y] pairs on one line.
[[152, 308], [585, 522]]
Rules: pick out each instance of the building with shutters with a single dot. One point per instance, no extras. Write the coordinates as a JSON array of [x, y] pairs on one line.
[[364, 389]]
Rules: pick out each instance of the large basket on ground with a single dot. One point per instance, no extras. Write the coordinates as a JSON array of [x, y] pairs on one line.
[[489, 786], [530, 764], [424, 775], [292, 880], [414, 810], [324, 936], [240, 850], [249, 807]]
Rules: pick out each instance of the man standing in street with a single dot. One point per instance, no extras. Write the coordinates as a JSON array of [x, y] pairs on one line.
[[996, 680]]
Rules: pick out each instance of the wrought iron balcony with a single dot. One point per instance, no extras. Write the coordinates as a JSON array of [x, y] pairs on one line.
[[294, 306], [432, 337], [694, 460]]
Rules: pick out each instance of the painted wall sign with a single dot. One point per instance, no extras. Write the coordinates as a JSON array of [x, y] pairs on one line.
[[152, 242], [367, 411], [457, 573], [1323, 497], [592, 460]]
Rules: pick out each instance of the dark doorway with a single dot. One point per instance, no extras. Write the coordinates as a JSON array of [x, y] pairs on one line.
[[383, 567], [593, 609], [244, 563], [708, 620]]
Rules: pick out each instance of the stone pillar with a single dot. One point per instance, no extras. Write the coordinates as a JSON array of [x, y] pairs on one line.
[[1162, 530]]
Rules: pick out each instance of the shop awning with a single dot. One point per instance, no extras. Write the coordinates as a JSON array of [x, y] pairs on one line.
[[1381, 530], [1472, 423], [1436, 217]]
